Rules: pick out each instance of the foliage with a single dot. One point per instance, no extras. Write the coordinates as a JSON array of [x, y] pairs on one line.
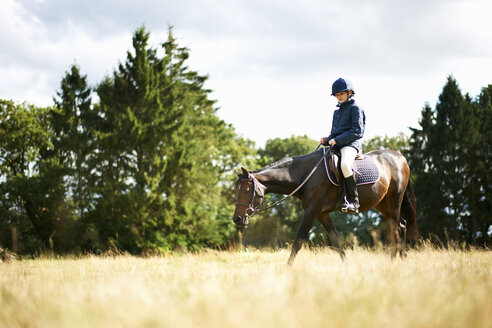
[[74, 122], [450, 162], [277, 148], [27, 194], [150, 167], [147, 169], [399, 143], [163, 154]]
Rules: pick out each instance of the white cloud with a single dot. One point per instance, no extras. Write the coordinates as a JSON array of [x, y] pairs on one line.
[[270, 62]]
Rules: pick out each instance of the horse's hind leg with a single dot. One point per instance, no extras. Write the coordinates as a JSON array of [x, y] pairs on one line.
[[326, 221], [402, 231], [395, 238], [390, 208]]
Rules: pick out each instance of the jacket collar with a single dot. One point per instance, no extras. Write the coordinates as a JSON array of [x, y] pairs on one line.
[[350, 101]]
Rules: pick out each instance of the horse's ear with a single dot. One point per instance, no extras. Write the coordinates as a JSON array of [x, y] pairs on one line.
[[237, 173], [245, 172]]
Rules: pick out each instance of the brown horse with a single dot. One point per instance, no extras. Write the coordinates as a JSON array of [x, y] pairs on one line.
[[390, 194]]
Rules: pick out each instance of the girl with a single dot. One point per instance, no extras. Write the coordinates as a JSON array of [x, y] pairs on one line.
[[347, 129]]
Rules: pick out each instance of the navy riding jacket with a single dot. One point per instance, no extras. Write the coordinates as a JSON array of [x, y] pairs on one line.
[[349, 123]]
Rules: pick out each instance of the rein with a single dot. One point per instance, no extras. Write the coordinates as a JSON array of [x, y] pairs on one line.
[[263, 207]]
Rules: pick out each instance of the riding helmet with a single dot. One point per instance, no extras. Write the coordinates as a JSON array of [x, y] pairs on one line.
[[341, 85]]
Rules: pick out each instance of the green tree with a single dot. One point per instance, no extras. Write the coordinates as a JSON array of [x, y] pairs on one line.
[[278, 148], [399, 143], [163, 154], [480, 186], [74, 122], [28, 197], [448, 157]]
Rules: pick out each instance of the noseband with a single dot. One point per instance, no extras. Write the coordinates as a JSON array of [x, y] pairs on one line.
[[256, 193]]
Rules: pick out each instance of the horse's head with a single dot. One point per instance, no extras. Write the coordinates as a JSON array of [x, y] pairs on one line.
[[249, 197]]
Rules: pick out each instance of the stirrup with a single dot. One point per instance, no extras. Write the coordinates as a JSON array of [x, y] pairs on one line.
[[349, 208]]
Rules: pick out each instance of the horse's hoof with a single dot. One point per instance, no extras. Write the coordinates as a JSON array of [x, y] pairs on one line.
[[343, 256]]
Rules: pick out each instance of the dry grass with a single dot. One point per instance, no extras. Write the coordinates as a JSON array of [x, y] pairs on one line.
[[431, 288]]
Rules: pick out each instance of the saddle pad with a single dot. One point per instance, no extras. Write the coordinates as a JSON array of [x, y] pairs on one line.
[[365, 169]]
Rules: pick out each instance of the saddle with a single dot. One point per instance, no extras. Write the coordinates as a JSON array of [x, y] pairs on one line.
[[364, 168]]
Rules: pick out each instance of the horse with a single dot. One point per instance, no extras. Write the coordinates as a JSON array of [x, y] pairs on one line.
[[303, 177]]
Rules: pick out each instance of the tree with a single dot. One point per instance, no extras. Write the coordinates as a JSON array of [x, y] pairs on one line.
[[163, 152], [399, 143], [74, 121], [480, 187], [448, 160], [28, 198]]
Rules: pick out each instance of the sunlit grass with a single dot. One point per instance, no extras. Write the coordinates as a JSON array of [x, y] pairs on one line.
[[431, 288]]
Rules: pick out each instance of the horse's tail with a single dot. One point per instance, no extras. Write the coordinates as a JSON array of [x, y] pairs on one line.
[[409, 212]]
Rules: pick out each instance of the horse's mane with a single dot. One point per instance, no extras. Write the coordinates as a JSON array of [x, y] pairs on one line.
[[284, 162], [279, 164]]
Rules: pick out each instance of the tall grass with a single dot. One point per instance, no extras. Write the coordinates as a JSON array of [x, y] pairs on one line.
[[431, 288]]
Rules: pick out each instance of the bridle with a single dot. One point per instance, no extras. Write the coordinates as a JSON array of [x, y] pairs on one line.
[[257, 193]]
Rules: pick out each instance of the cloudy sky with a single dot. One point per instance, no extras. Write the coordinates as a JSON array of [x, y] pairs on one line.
[[270, 63]]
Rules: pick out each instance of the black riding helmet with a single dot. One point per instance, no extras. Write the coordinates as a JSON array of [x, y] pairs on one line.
[[341, 85]]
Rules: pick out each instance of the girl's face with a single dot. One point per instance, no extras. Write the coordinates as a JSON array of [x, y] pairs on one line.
[[343, 96]]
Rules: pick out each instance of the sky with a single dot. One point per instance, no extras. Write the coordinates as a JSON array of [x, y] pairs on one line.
[[270, 63]]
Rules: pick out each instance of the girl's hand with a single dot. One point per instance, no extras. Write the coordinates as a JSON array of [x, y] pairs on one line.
[[332, 142]]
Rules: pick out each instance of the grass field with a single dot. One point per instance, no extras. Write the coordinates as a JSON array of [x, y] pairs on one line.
[[431, 288]]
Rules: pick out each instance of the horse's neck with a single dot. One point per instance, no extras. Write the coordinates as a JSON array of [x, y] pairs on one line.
[[279, 180], [275, 181]]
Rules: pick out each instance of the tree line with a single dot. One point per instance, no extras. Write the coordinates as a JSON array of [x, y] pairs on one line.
[[149, 167]]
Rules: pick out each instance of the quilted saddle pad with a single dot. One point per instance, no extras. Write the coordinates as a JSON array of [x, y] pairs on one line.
[[365, 171]]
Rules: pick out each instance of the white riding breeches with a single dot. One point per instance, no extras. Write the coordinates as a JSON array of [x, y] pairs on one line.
[[348, 157]]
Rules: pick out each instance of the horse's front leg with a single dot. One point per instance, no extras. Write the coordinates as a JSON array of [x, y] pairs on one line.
[[307, 222], [326, 221]]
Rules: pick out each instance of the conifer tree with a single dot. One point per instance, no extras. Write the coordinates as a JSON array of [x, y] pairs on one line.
[[162, 153], [74, 121], [481, 185], [446, 156]]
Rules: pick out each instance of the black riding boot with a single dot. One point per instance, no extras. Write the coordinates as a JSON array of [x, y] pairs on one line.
[[352, 206]]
